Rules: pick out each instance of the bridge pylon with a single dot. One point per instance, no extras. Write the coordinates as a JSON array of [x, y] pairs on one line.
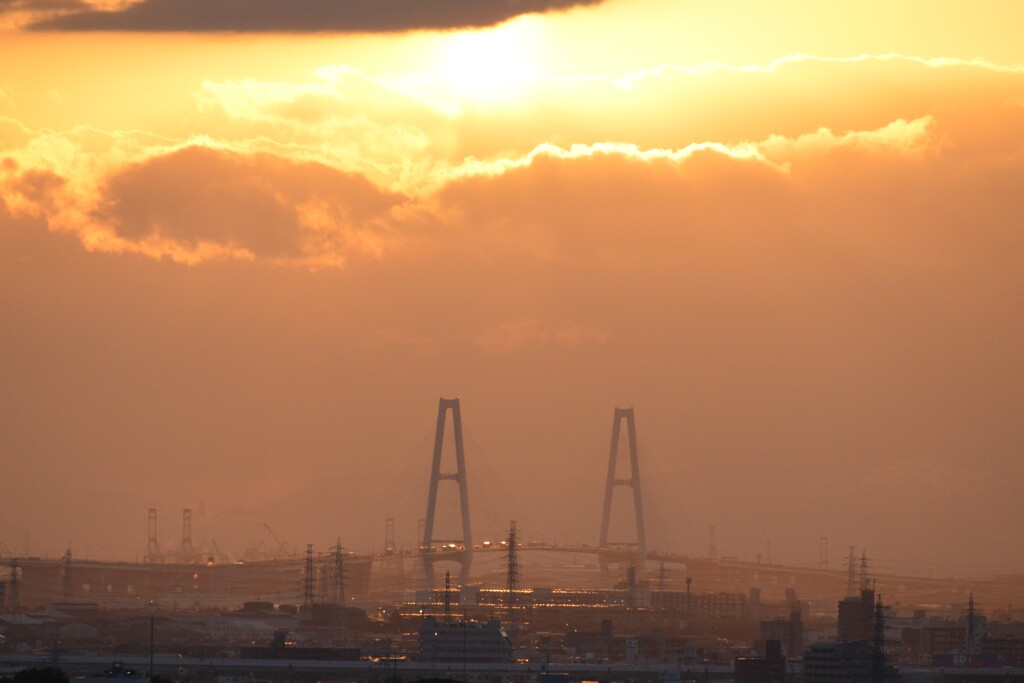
[[430, 545], [633, 482]]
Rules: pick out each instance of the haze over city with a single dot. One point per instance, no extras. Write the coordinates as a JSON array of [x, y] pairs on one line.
[[243, 254]]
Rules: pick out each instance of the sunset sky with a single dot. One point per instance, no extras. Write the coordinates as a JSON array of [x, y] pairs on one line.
[[246, 245]]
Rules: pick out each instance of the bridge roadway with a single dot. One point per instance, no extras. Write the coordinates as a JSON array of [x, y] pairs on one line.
[[738, 576], [728, 573], [254, 669]]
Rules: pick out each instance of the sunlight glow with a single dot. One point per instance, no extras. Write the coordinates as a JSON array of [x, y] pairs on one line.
[[492, 66]]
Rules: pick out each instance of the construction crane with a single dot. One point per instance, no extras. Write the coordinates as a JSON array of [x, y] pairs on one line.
[[218, 553], [280, 544]]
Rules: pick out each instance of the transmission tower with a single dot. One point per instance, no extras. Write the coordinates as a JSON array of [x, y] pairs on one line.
[[512, 568], [850, 572], [865, 584], [307, 598], [971, 645], [633, 482], [188, 552], [67, 574], [465, 556], [152, 546], [338, 596], [389, 536], [391, 562], [14, 600], [447, 597]]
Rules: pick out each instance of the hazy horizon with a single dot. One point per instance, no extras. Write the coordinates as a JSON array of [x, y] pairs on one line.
[[240, 263]]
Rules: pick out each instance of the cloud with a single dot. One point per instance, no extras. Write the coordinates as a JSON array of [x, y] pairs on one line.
[[35, 6], [201, 202], [14, 13], [350, 165], [415, 124], [257, 206], [303, 16]]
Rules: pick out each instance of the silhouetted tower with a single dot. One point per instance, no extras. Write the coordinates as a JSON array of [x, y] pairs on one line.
[[307, 597], [864, 583], [850, 580], [633, 482], [511, 567], [152, 547], [389, 536], [631, 586], [712, 543], [67, 574], [338, 592], [188, 552], [13, 599], [465, 557], [447, 597], [391, 562], [878, 656], [823, 552], [971, 645]]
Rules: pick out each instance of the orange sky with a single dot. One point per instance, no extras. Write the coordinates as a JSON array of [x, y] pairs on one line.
[[238, 269]]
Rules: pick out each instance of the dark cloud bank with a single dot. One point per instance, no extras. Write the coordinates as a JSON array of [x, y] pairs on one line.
[[346, 16]]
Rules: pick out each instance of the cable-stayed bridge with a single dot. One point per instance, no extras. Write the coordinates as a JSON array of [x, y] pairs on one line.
[[189, 577]]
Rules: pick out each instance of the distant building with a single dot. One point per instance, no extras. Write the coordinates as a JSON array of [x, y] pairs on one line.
[[718, 605], [768, 669], [937, 641], [280, 649], [857, 617], [1008, 651], [464, 641], [851, 662], [789, 632]]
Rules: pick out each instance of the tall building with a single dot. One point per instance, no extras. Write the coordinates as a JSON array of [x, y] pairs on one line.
[[768, 669], [789, 632], [857, 617]]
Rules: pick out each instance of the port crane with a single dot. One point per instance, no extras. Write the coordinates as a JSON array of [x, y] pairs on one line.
[[280, 543]]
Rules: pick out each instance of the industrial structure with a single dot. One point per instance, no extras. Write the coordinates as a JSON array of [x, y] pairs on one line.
[[632, 482], [184, 575], [430, 543]]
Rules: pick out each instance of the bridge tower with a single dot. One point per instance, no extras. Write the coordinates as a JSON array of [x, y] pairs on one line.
[[633, 482], [463, 557]]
